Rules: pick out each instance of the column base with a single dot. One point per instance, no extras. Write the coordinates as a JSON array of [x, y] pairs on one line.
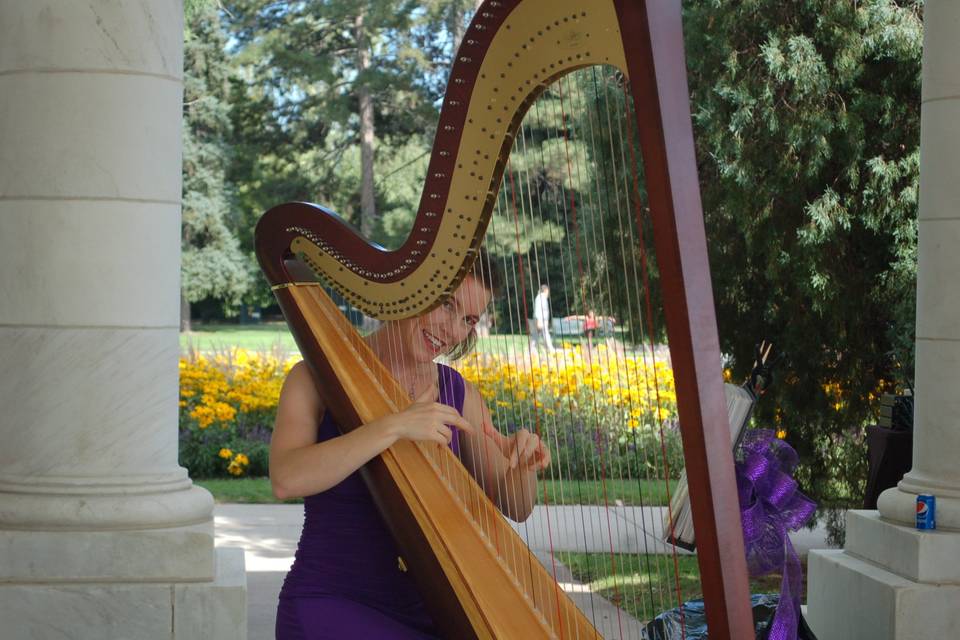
[[921, 556], [214, 610], [173, 554], [851, 599], [890, 583], [900, 503]]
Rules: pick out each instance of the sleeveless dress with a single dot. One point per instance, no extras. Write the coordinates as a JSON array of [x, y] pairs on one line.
[[346, 580]]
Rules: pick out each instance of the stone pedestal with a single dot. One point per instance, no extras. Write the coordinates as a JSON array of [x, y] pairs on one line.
[[131, 610], [102, 534], [892, 582]]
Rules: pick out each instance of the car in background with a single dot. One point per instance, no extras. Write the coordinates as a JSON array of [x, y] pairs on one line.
[[573, 326]]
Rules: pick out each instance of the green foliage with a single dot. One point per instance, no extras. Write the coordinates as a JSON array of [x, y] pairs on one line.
[[295, 105], [807, 121], [213, 264], [199, 454]]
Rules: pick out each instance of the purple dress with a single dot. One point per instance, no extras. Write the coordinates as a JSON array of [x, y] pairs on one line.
[[346, 581]]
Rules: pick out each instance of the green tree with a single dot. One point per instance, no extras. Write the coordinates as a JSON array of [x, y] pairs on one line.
[[212, 264], [806, 118], [297, 106]]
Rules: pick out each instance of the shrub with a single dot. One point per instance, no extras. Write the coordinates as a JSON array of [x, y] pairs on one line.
[[228, 403], [600, 416]]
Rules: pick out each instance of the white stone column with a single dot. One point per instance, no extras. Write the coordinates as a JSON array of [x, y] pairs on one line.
[[892, 581], [102, 534]]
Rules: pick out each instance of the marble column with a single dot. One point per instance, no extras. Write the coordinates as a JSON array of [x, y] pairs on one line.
[[102, 534], [892, 581]]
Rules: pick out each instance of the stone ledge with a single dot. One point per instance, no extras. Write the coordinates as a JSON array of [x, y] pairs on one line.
[[149, 555], [851, 599], [215, 610], [920, 556]]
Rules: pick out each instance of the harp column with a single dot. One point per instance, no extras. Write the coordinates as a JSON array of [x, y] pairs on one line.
[[102, 534], [892, 581]]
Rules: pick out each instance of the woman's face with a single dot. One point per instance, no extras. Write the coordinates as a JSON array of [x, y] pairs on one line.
[[448, 325]]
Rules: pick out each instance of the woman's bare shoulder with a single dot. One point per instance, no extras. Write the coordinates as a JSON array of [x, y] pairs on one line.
[[473, 403], [300, 384]]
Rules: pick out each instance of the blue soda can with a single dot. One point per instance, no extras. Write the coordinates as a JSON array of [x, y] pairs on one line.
[[926, 511]]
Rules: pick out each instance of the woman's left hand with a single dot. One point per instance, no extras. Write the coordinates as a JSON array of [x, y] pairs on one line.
[[526, 450]]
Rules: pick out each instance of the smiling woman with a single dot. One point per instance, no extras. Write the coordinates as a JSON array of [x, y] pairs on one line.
[[348, 579]]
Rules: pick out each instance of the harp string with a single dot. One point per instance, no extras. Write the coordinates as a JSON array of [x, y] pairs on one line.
[[561, 358], [497, 412], [580, 232], [586, 240], [522, 289], [624, 368], [614, 171], [595, 236], [541, 269], [611, 359], [552, 361], [648, 357], [650, 363], [644, 272], [599, 185]]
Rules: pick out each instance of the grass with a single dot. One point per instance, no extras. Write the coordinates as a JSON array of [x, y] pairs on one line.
[[645, 585], [253, 337], [568, 492], [270, 336], [645, 493], [242, 490]]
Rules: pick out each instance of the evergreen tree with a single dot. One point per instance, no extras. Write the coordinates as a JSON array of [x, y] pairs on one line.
[[807, 125], [212, 264], [297, 106]]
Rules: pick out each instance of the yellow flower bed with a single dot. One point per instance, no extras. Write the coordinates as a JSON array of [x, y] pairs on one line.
[[229, 391], [602, 407], [640, 390], [606, 412]]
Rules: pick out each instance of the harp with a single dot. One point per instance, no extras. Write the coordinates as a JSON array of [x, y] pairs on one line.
[[482, 580]]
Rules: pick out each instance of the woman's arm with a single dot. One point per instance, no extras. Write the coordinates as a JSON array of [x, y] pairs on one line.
[[301, 466], [505, 467]]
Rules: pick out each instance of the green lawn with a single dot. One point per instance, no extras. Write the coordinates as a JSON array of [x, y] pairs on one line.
[[644, 585], [569, 492], [270, 336], [630, 492], [265, 337], [244, 490]]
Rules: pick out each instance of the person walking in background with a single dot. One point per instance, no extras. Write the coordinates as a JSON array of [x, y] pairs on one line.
[[541, 317], [590, 328]]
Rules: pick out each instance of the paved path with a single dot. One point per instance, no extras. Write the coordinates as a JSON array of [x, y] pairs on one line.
[[269, 535]]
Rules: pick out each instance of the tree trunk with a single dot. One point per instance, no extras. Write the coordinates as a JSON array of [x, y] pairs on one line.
[[184, 313], [457, 27], [368, 205]]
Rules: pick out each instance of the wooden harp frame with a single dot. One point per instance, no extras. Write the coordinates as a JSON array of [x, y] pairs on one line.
[[512, 50]]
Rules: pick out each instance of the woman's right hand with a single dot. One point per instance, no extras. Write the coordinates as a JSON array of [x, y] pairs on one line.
[[425, 420]]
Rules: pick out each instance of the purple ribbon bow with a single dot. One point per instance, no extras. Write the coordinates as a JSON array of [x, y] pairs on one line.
[[771, 507]]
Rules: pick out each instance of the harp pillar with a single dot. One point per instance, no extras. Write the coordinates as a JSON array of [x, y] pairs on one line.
[[892, 581], [102, 534]]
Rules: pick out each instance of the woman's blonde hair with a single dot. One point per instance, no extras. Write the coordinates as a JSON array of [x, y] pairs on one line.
[[485, 271]]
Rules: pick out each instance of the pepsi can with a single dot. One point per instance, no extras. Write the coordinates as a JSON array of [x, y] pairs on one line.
[[926, 511]]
